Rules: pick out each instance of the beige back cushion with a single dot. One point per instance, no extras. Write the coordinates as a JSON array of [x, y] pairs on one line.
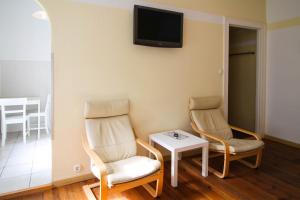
[[204, 103], [208, 118], [111, 137], [98, 109]]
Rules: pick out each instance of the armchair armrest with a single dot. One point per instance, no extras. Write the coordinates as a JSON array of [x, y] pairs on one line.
[[93, 156], [150, 148], [257, 137]]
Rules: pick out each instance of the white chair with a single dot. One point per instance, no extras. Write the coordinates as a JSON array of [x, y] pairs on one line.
[[13, 112], [44, 115]]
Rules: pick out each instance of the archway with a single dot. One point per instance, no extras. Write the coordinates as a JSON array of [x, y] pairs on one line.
[[25, 73]]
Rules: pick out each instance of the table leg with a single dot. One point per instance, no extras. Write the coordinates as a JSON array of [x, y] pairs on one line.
[[24, 131], [3, 127], [39, 120], [174, 168], [205, 161], [28, 126]]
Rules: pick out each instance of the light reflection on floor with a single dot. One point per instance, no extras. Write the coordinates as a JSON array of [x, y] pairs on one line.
[[25, 165]]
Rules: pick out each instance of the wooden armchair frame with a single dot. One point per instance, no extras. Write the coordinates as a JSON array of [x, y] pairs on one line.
[[104, 189], [234, 156]]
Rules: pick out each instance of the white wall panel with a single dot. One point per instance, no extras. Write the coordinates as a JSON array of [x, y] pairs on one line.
[[283, 117], [23, 37]]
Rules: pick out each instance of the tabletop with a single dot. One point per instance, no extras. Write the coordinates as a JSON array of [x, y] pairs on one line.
[[188, 141], [33, 100], [29, 99]]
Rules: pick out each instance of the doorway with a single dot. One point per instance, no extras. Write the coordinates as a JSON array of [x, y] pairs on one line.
[[260, 102], [25, 96], [242, 79]]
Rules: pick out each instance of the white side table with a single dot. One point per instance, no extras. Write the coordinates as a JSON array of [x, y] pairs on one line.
[[181, 144]]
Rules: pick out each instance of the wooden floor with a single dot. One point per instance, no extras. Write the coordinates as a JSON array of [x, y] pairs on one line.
[[277, 178]]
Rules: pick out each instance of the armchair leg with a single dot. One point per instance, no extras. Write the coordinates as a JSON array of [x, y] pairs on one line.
[[89, 193], [226, 165], [258, 158], [225, 171], [103, 190], [159, 186], [257, 161], [225, 168], [154, 192]]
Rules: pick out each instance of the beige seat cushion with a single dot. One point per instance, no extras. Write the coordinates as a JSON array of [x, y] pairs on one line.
[[128, 170], [237, 145], [112, 137]]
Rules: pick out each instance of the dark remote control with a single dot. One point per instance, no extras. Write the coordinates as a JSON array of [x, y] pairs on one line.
[[176, 135]]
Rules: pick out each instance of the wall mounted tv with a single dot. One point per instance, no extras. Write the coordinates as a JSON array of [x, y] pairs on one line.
[[158, 28]]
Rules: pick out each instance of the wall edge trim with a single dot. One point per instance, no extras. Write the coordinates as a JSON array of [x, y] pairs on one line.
[[75, 179], [25, 192], [282, 141], [284, 24], [55, 184], [128, 5]]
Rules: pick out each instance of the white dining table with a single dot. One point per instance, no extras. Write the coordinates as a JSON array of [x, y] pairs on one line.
[[30, 101]]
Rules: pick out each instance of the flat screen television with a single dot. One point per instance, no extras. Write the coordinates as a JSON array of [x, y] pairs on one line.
[[158, 28]]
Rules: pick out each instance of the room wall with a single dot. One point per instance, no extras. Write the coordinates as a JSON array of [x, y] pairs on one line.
[[94, 58], [230, 8], [22, 36], [278, 11], [283, 105], [25, 78]]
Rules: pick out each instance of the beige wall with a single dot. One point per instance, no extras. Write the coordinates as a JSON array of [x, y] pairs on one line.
[[94, 58], [246, 9], [277, 11]]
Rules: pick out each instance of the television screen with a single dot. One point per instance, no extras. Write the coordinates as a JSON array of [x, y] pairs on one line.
[[156, 27]]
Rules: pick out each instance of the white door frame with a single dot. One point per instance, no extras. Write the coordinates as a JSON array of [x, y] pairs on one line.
[[260, 64]]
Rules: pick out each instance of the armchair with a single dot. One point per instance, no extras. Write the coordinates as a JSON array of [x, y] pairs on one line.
[[111, 145], [207, 120]]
